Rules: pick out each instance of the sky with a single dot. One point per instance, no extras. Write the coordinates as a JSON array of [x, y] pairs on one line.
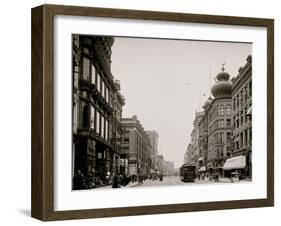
[[165, 82]]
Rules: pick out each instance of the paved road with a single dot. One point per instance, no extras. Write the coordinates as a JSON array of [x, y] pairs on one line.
[[176, 181], [172, 180]]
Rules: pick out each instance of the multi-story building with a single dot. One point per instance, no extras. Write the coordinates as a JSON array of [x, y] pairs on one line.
[[225, 128], [136, 147], [169, 168], [242, 113], [153, 135], [218, 112], [203, 138], [192, 152], [97, 109]]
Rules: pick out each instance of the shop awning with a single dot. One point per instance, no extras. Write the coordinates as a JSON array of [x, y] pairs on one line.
[[200, 159], [238, 162], [202, 169], [210, 165]]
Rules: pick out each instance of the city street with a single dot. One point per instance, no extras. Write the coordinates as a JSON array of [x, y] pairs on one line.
[[173, 180]]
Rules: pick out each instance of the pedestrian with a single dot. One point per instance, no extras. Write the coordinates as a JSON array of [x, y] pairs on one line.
[[115, 181], [79, 180]]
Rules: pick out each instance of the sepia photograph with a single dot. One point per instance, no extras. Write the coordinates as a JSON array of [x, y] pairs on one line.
[[160, 112]]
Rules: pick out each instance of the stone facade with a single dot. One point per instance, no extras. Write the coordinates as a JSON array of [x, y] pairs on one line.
[[97, 109], [242, 114]]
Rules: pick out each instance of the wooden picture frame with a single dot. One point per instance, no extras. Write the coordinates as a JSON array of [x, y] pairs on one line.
[[42, 203]]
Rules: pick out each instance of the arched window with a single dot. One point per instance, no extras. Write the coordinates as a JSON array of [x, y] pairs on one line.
[[228, 109]]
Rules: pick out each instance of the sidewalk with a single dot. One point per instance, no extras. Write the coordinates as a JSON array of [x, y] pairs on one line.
[[130, 185]]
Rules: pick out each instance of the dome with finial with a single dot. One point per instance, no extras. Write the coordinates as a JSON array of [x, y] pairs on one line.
[[223, 85]]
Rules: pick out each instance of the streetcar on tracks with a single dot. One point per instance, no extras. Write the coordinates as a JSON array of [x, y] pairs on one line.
[[188, 173]]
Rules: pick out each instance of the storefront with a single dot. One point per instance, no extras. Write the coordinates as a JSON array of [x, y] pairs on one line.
[[237, 163]]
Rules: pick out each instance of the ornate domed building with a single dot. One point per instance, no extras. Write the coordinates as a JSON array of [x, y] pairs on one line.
[[223, 85], [218, 117]]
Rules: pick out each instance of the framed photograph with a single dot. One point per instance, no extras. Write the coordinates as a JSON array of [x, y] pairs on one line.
[[141, 112]]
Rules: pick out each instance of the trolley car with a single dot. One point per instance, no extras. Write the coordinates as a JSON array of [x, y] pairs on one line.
[[188, 173]]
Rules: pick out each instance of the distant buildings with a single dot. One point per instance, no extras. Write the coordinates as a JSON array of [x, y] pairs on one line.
[[164, 167], [193, 151], [136, 148], [159, 164], [153, 136], [223, 132]]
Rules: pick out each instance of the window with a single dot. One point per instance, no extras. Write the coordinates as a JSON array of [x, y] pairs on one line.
[[76, 76], [101, 86], [246, 92], [85, 116], [228, 109], [105, 92], [228, 151], [218, 110], [92, 120], [221, 151], [98, 82], [102, 126], [250, 88], [98, 123], [221, 110], [105, 129], [86, 68], [107, 95], [220, 123], [93, 75], [228, 123], [241, 139], [228, 137], [246, 137]]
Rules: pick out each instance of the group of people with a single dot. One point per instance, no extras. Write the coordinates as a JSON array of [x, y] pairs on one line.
[[81, 181], [120, 180]]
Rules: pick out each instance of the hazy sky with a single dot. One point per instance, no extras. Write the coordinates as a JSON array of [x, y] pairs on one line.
[[163, 82]]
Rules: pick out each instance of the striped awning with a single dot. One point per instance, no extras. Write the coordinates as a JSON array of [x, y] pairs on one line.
[[202, 169], [238, 162]]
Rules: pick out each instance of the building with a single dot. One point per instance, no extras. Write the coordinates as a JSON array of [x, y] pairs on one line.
[[225, 127], [136, 148], [203, 138], [153, 136], [242, 115], [97, 109], [169, 168], [218, 113], [192, 151]]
